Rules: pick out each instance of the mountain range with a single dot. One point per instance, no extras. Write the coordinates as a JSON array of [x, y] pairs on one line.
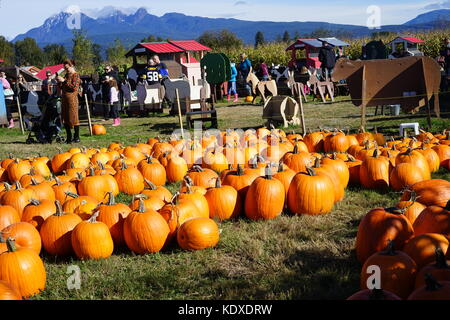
[[131, 27]]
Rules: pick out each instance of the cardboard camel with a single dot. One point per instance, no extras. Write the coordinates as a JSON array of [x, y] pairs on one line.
[[281, 110], [410, 82]]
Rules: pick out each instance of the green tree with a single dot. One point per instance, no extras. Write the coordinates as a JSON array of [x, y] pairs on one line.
[[6, 51], [150, 38], [259, 39], [28, 52], [321, 33], [97, 51], [218, 40], [83, 52], [286, 37], [296, 35], [54, 54], [116, 53]]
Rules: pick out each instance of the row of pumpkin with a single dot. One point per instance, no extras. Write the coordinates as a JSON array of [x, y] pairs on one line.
[[272, 172], [409, 244]]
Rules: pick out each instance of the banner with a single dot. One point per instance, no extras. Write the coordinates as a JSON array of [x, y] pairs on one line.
[[3, 119]]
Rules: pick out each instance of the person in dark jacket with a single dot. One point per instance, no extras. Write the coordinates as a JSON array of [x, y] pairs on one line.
[[328, 59]]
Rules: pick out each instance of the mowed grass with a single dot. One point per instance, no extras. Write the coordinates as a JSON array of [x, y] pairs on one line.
[[291, 257]]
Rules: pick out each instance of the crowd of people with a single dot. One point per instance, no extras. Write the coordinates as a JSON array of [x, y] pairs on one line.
[[69, 89]]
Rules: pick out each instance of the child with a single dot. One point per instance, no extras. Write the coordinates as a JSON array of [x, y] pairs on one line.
[[232, 89], [264, 70], [114, 101]]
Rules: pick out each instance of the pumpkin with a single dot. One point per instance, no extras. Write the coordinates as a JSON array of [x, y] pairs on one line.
[[340, 168], [113, 215], [18, 198], [377, 228], [416, 158], [215, 160], [432, 158], [17, 169], [439, 268], [311, 193], [203, 177], [430, 192], [298, 160], [56, 232], [405, 175], [98, 130], [91, 239], [85, 210], [314, 141], [197, 199], [42, 190], [24, 234], [176, 169], [145, 231], [336, 142], [129, 180], [8, 292], [223, 202], [23, 269], [240, 181], [411, 208], [443, 152], [152, 191], [353, 166], [433, 219], [398, 271], [374, 172], [26, 179], [37, 211], [61, 190], [153, 171], [8, 216], [74, 201], [96, 186], [422, 248], [149, 202], [375, 294], [79, 160], [327, 169], [198, 234], [433, 290], [59, 162], [265, 198], [285, 176]]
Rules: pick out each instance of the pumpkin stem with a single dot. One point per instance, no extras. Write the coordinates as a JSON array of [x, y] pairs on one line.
[[431, 283], [376, 153], [376, 295], [11, 245], [124, 165], [59, 210], [311, 171], [72, 195], [281, 166], [389, 250], [141, 208], [447, 207], [34, 182], [268, 172], [441, 261], [240, 170], [7, 186], [317, 163], [35, 202], [150, 184], [111, 200], [218, 183], [351, 158]]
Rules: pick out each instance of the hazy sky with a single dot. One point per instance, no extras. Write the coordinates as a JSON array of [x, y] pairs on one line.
[[18, 16]]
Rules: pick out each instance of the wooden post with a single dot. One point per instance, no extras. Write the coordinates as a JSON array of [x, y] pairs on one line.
[[179, 113], [20, 116], [88, 114], [428, 114], [302, 113], [364, 102]]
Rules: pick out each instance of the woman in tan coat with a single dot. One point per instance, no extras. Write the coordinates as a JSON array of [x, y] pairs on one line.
[[69, 107]]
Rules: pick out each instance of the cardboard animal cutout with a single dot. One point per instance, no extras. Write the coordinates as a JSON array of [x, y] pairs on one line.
[[259, 87], [281, 110]]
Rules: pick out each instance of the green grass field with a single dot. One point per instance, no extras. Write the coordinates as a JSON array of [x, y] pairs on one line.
[[291, 257]]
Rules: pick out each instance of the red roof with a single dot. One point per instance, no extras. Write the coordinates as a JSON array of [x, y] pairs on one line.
[[1, 60], [53, 69], [412, 39], [190, 45], [162, 47]]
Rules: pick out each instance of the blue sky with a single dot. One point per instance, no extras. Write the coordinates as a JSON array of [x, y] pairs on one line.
[[18, 17]]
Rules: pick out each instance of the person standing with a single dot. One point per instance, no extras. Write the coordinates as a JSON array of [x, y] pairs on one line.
[[328, 59], [69, 103], [9, 99], [245, 67], [48, 86], [264, 70], [114, 101], [161, 67], [106, 89], [232, 89]]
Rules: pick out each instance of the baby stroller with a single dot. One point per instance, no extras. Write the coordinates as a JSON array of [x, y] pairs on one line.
[[47, 128]]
